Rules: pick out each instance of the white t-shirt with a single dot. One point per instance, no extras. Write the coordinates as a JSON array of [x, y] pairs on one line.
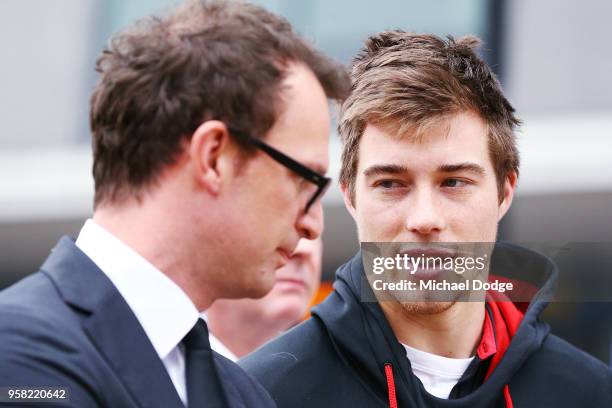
[[438, 374]]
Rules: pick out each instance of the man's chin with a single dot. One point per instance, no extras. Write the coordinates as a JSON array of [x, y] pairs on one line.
[[261, 288], [427, 308], [253, 288], [266, 282]]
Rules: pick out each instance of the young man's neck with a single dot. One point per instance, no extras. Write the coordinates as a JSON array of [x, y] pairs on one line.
[[454, 332]]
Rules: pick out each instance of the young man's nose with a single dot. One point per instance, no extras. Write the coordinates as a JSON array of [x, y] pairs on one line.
[[424, 216]]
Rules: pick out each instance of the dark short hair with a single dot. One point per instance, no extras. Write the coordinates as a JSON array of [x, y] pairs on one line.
[[161, 78], [405, 82]]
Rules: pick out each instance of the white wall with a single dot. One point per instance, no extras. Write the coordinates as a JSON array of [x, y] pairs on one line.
[[559, 56], [42, 77]]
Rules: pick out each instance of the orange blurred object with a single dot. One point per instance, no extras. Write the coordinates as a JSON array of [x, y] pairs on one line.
[[325, 289]]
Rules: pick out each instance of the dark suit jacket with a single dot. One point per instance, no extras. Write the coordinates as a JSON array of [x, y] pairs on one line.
[[68, 326]]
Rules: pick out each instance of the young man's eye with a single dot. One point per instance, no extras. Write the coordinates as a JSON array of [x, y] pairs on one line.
[[388, 184], [454, 183]]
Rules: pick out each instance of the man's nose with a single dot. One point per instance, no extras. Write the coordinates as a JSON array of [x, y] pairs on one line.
[[424, 215], [310, 224]]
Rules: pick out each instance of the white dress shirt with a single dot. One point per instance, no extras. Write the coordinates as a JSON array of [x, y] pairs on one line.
[[221, 348], [164, 311]]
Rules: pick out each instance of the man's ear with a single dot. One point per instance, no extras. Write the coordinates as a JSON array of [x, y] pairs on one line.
[[210, 153], [348, 200], [508, 194]]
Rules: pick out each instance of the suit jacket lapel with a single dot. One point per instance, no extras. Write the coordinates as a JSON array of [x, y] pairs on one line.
[[120, 338], [112, 326], [232, 395]]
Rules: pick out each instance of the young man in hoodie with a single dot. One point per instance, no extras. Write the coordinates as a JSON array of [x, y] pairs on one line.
[[429, 156]]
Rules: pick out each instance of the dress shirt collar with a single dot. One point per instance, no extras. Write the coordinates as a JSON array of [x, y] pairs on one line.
[[163, 309], [221, 348]]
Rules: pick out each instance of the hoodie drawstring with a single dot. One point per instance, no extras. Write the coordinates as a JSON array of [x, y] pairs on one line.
[[390, 385], [507, 397]]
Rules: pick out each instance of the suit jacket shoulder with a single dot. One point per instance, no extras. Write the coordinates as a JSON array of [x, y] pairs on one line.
[[239, 385], [301, 368], [41, 343], [68, 326]]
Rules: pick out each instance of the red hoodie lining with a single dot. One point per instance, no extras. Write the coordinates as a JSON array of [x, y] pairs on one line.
[[507, 319], [487, 346]]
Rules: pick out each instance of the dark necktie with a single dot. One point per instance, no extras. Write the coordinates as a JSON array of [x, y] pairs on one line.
[[204, 388]]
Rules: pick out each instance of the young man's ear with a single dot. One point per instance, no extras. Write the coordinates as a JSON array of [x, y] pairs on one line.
[[210, 151], [348, 200], [507, 194]]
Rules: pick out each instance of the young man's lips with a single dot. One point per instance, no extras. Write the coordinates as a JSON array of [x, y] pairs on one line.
[[428, 252], [427, 273]]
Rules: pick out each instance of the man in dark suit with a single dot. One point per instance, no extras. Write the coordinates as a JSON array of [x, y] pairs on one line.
[[210, 127]]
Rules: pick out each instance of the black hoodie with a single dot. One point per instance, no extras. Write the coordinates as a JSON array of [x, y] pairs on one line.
[[347, 355]]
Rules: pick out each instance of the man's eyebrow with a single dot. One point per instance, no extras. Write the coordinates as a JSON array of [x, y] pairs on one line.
[[471, 167], [379, 169]]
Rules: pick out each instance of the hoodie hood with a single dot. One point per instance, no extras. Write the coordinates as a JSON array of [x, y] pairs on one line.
[[363, 338]]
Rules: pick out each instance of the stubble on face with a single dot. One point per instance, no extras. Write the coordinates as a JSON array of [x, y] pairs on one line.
[[426, 308]]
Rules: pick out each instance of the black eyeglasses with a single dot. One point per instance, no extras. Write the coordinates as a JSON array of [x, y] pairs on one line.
[[312, 176]]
